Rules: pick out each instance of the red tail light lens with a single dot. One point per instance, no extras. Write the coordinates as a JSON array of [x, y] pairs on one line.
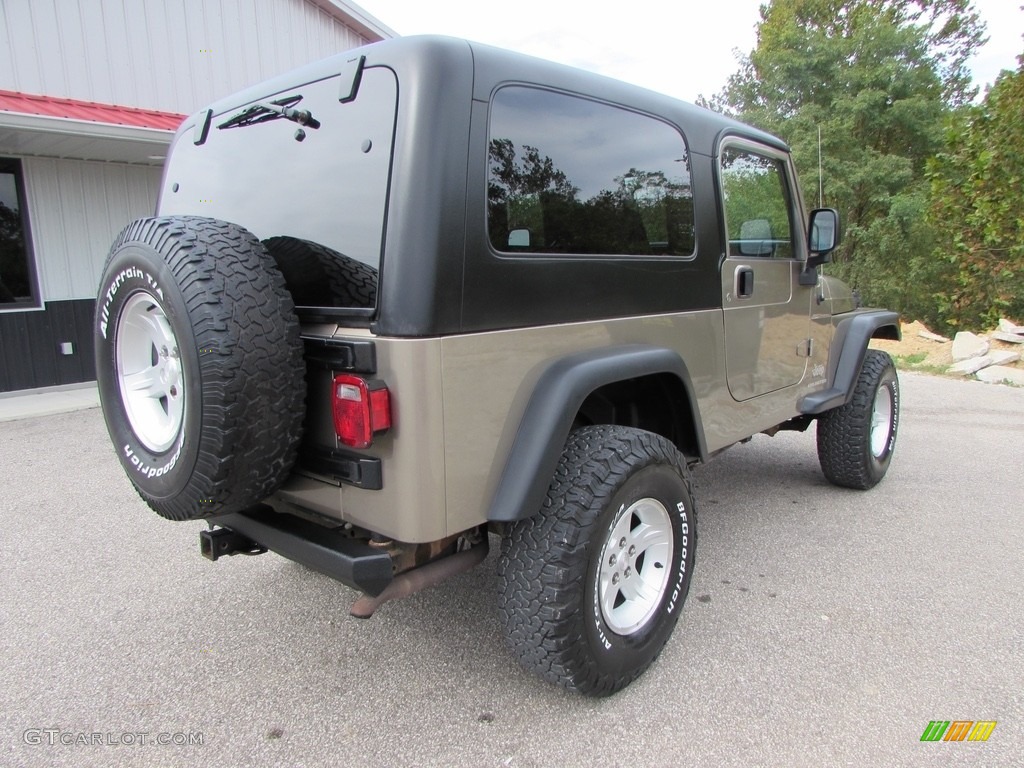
[[361, 409]]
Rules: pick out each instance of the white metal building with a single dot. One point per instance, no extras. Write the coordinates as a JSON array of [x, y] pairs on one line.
[[90, 94]]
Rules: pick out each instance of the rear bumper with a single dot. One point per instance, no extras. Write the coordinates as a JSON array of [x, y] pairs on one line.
[[326, 550]]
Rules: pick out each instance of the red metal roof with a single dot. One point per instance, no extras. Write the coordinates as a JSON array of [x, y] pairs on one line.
[[90, 111]]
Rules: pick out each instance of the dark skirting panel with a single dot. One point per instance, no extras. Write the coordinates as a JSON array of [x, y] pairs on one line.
[[30, 354]]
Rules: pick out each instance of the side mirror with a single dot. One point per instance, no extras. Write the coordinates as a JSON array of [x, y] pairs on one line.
[[823, 233], [822, 239]]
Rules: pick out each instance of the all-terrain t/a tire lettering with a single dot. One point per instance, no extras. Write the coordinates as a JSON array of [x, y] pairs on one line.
[[199, 365], [592, 587], [856, 440]]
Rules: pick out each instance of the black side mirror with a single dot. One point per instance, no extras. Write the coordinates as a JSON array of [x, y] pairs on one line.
[[823, 233], [822, 239]]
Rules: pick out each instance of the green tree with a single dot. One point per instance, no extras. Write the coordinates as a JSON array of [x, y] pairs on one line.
[[877, 78], [975, 208]]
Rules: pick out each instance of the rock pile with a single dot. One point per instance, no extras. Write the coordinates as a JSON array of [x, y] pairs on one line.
[[973, 354]]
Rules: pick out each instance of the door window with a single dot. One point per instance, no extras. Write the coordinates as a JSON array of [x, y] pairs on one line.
[[757, 205]]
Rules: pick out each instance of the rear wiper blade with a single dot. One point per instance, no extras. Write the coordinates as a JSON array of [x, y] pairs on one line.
[[264, 111]]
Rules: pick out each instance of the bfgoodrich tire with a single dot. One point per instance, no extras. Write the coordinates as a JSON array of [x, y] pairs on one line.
[[320, 277], [199, 365], [856, 440], [592, 586]]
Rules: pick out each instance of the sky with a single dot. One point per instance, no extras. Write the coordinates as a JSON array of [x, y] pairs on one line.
[[683, 49]]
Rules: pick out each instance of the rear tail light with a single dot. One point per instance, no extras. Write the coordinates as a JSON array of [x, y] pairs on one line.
[[361, 410]]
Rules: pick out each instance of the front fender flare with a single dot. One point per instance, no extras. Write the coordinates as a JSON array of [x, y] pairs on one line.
[[556, 399], [849, 346]]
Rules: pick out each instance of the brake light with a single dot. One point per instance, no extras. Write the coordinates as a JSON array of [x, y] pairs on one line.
[[361, 410]]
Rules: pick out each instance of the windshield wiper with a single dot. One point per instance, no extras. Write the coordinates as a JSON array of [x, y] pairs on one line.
[[264, 111]]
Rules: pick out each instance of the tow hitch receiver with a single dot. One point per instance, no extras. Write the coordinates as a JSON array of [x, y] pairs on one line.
[[221, 542]]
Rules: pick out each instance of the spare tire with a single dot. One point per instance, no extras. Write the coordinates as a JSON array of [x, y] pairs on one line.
[[318, 276], [199, 365]]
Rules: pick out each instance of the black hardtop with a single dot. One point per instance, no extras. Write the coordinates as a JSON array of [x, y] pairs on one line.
[[428, 61], [495, 67], [439, 273]]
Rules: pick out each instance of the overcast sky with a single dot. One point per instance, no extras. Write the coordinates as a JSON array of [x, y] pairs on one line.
[[683, 49]]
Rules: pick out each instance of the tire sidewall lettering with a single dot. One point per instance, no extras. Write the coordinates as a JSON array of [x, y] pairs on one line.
[[127, 277], [132, 269], [888, 381], [148, 471], [680, 511], [660, 482], [894, 390]]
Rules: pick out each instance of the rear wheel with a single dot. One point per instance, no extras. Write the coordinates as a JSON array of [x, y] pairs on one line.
[[592, 586], [856, 440], [199, 365]]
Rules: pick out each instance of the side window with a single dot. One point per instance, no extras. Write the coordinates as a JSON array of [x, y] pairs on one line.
[[757, 204], [571, 176], [16, 283]]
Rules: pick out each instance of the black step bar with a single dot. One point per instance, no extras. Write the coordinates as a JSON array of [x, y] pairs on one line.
[[329, 551]]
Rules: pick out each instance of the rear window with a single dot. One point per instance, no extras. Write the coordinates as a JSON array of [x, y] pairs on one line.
[[567, 175], [318, 203]]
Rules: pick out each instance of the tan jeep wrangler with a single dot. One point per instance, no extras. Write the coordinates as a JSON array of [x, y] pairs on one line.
[[427, 291]]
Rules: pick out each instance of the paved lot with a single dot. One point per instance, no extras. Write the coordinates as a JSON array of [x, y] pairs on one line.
[[824, 626]]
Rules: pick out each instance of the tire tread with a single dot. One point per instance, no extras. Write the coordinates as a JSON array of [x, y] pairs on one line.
[[844, 433], [542, 569]]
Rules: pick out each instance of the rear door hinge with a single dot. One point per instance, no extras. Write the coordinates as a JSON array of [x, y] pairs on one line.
[[805, 348]]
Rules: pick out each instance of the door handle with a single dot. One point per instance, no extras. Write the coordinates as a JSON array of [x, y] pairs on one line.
[[744, 282]]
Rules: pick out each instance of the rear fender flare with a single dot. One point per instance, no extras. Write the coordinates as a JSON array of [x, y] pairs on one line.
[[556, 399]]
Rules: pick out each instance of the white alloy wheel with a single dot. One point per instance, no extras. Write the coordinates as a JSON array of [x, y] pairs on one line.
[[149, 372], [634, 570]]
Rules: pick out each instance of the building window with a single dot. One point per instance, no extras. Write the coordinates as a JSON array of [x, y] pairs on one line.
[[572, 176], [17, 276]]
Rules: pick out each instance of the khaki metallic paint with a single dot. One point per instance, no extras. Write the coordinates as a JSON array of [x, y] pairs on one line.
[[412, 505], [458, 400], [764, 331]]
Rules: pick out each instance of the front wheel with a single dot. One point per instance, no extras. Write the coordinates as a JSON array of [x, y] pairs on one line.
[[856, 440], [592, 586]]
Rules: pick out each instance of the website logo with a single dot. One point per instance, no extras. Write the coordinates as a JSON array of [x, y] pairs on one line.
[[958, 730]]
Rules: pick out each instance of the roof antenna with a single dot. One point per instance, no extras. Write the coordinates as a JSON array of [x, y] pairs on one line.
[[820, 183]]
